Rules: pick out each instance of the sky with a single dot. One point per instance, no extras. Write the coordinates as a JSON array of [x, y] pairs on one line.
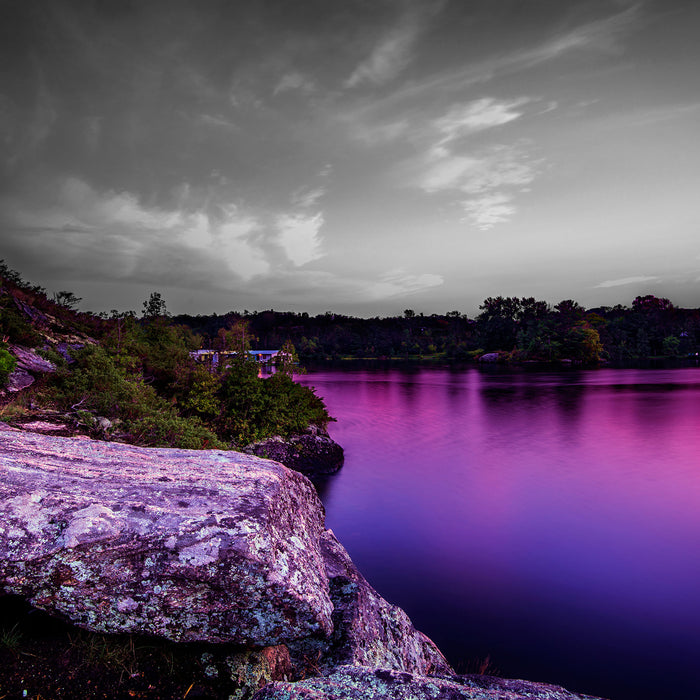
[[355, 156]]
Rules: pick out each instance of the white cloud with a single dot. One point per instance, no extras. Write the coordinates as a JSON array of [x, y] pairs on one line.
[[388, 58], [602, 35], [468, 118], [232, 240], [307, 197], [294, 81], [392, 53], [109, 234], [626, 280], [489, 179], [312, 286], [400, 283], [299, 236], [378, 133], [487, 211]]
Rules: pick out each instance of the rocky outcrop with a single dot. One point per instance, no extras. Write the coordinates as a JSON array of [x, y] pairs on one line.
[[358, 683], [491, 357], [312, 453], [29, 365], [190, 546]]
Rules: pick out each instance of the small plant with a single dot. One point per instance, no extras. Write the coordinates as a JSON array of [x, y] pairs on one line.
[[13, 410], [478, 667], [10, 638], [7, 364], [110, 652]]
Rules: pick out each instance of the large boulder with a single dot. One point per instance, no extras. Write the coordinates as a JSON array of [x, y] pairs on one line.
[[358, 683], [312, 453], [189, 545]]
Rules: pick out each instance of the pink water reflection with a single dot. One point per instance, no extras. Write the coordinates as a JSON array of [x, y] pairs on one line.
[[510, 512]]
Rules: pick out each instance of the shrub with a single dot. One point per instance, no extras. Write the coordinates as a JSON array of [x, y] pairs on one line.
[[15, 327], [7, 364], [95, 383], [171, 430]]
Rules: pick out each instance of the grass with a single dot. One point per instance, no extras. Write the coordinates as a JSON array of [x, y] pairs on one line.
[[111, 652], [10, 638], [42, 657], [478, 666]]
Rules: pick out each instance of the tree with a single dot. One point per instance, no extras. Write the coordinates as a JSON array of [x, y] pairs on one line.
[[650, 303], [154, 307], [66, 299], [287, 359]]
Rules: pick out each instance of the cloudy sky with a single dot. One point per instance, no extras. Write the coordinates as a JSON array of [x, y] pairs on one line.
[[359, 156]]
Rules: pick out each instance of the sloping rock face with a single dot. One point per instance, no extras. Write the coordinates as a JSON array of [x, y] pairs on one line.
[[358, 683], [190, 546]]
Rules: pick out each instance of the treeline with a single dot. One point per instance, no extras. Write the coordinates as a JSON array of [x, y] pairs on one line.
[[134, 378], [519, 329]]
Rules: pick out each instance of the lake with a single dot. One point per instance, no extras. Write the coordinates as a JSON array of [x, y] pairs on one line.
[[547, 520]]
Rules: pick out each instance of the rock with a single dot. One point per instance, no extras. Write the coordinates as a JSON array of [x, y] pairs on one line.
[[41, 426], [65, 349], [189, 545], [28, 365], [253, 669], [17, 380], [367, 630], [27, 359], [490, 357], [311, 453], [103, 424], [363, 683], [38, 318]]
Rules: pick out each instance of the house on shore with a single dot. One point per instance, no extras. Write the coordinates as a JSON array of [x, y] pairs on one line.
[[212, 357]]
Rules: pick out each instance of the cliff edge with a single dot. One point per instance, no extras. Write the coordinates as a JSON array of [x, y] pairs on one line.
[[196, 546]]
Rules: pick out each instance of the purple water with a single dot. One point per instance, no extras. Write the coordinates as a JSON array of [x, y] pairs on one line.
[[550, 521]]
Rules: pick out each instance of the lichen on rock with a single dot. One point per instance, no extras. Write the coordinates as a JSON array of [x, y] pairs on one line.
[[188, 545], [364, 683]]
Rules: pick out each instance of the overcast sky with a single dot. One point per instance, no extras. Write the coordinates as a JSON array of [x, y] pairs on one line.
[[359, 156]]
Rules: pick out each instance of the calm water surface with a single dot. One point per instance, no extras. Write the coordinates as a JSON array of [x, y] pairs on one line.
[[548, 520]]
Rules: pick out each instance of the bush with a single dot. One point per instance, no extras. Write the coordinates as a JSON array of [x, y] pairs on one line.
[[171, 430], [16, 328], [95, 383], [7, 364]]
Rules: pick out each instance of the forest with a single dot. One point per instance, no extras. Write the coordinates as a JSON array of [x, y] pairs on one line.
[[518, 329], [132, 378], [136, 374]]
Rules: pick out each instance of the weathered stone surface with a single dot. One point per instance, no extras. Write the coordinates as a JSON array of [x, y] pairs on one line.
[[190, 546], [311, 453], [18, 379], [29, 364], [29, 360], [490, 357], [362, 683], [367, 630], [186, 545]]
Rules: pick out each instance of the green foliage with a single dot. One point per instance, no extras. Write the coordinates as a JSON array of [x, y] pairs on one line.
[[15, 327], [11, 638], [95, 382], [201, 398], [671, 345], [154, 306], [7, 364], [253, 408], [287, 360], [167, 429]]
